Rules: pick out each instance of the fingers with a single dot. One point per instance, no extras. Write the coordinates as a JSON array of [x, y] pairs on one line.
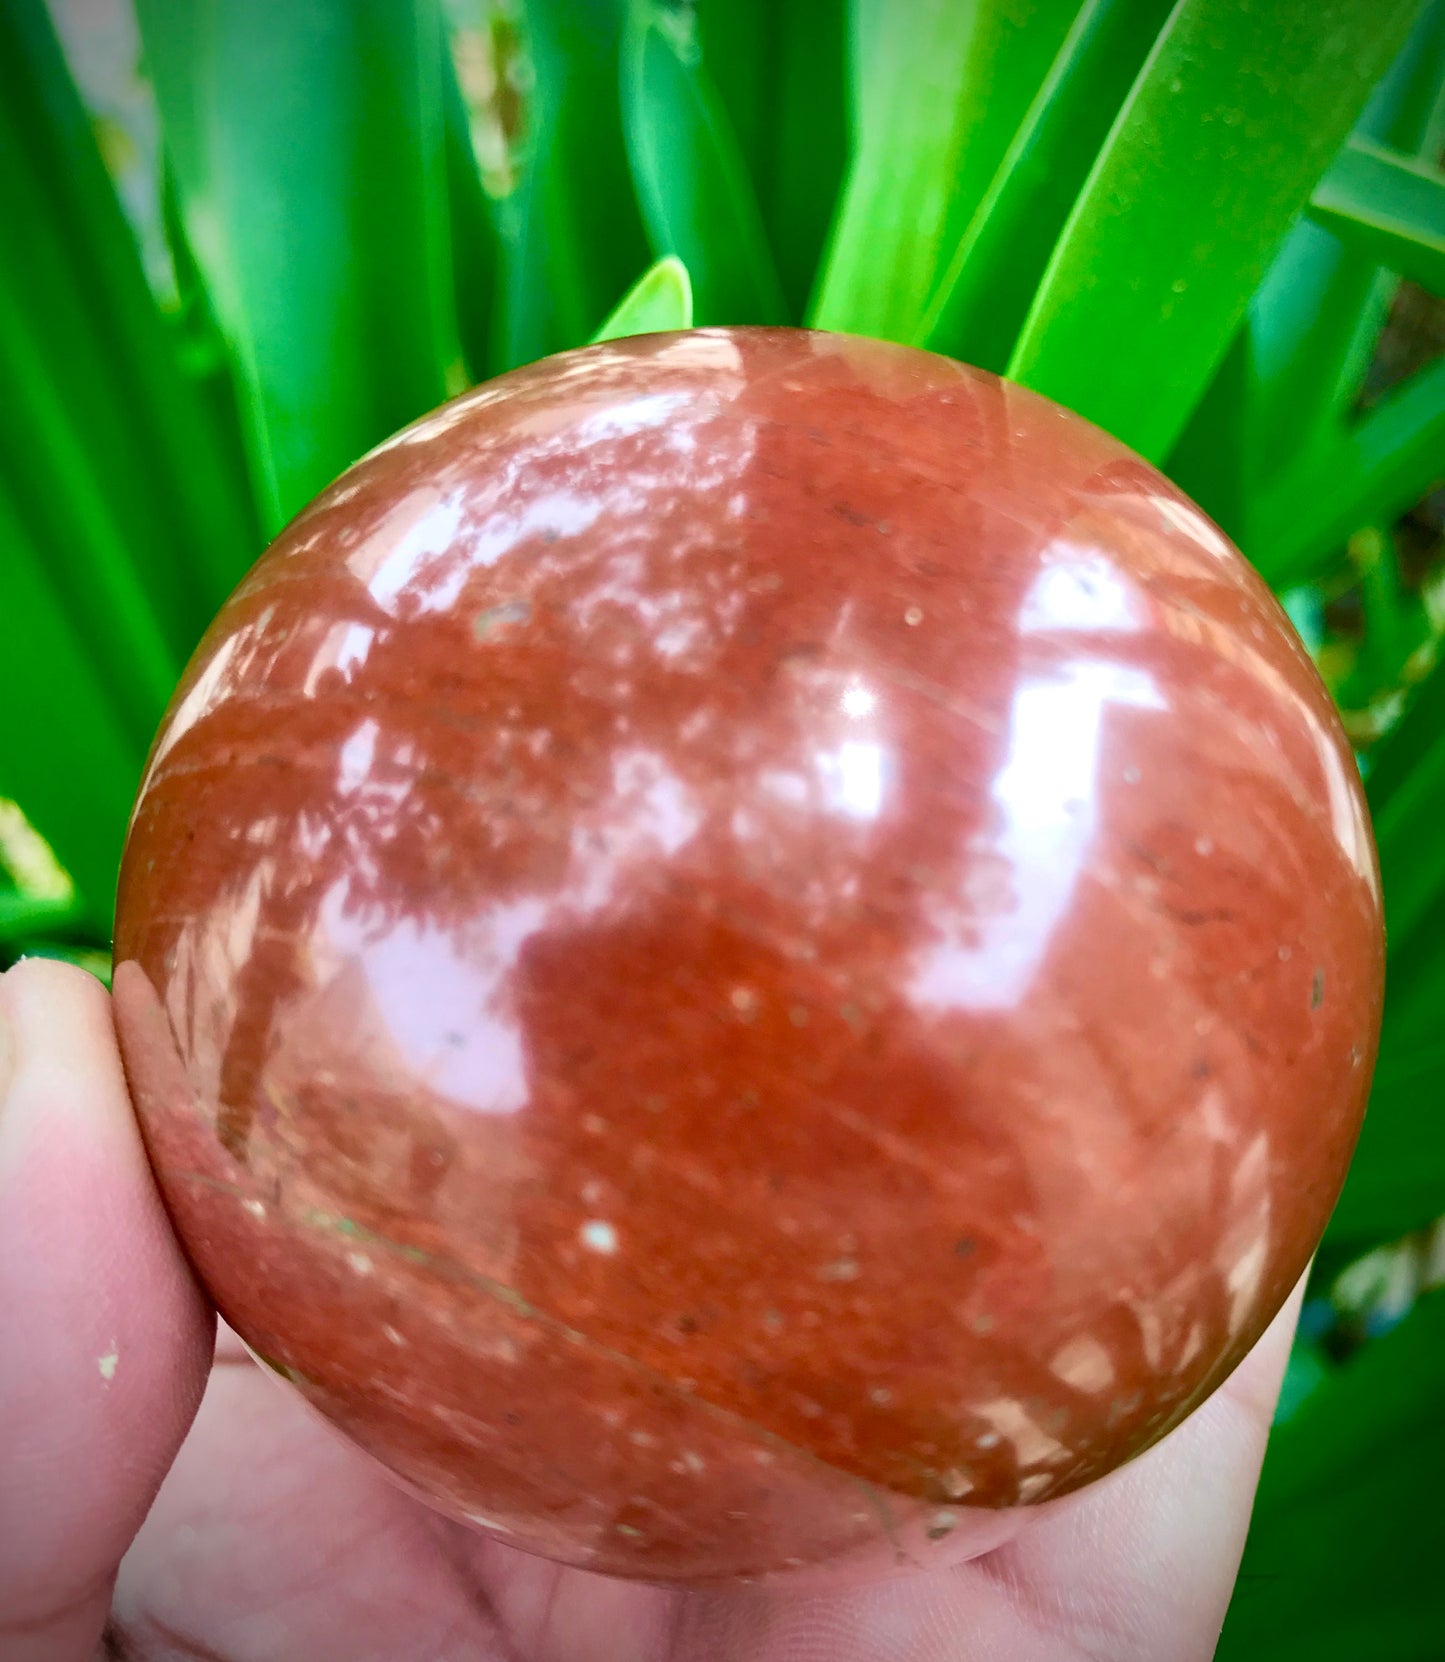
[[1140, 1568], [104, 1336], [1136, 1568]]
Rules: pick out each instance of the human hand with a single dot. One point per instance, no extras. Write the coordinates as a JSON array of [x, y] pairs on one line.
[[135, 1527]]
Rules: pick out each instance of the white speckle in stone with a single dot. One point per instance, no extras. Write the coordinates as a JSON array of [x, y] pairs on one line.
[[109, 1362], [598, 1235], [809, 1409], [1204, 847], [1244, 1244], [941, 1523], [913, 616], [1243, 1281], [643, 1439], [763, 1456], [841, 1269], [1193, 1344], [956, 1484], [1084, 1364], [880, 1396], [1151, 1331], [594, 1125], [360, 1263], [988, 1439], [743, 999], [392, 1334], [257, 1208], [1285, 954], [593, 1192], [689, 1461], [1032, 1444], [1034, 1485]]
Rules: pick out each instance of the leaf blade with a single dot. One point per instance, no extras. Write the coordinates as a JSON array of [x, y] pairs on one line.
[[308, 145], [692, 182], [660, 300], [1387, 206], [939, 88], [980, 303], [1367, 1444], [1370, 474], [572, 236], [64, 754], [1175, 225]]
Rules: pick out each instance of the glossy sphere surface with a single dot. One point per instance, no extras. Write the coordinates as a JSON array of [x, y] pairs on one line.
[[746, 949]]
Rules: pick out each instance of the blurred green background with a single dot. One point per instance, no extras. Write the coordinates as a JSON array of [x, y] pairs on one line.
[[244, 240]]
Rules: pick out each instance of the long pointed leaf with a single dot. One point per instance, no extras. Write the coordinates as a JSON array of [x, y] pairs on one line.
[[64, 755], [801, 173], [475, 252], [1315, 320], [940, 87], [1226, 132], [1341, 1558], [1382, 465], [661, 299], [142, 452], [981, 302], [692, 180], [1388, 206], [308, 145], [572, 236]]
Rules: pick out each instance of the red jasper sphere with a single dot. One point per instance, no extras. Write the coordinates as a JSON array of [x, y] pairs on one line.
[[749, 949]]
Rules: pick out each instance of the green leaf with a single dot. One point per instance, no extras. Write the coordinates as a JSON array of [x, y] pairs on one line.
[[65, 754], [1227, 130], [475, 252], [939, 90], [661, 299], [1372, 473], [24, 915], [1406, 791], [1397, 1178], [981, 302], [307, 140], [65, 508], [572, 236], [126, 480], [692, 181], [1390, 207], [1342, 1557], [781, 71], [1296, 365], [1396, 1181], [737, 40]]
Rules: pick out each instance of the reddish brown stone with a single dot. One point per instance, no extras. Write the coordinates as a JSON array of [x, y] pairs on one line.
[[746, 949]]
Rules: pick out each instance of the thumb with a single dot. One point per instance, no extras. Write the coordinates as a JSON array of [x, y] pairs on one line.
[[105, 1338]]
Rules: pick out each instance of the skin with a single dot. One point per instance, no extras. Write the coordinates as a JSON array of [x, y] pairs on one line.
[[161, 1498]]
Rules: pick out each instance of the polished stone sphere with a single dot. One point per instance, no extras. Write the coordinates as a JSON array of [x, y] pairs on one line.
[[750, 951]]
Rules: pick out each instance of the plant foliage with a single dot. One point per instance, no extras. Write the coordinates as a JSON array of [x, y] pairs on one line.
[[1199, 222]]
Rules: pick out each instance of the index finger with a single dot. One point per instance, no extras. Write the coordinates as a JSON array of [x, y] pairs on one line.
[[104, 1336]]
